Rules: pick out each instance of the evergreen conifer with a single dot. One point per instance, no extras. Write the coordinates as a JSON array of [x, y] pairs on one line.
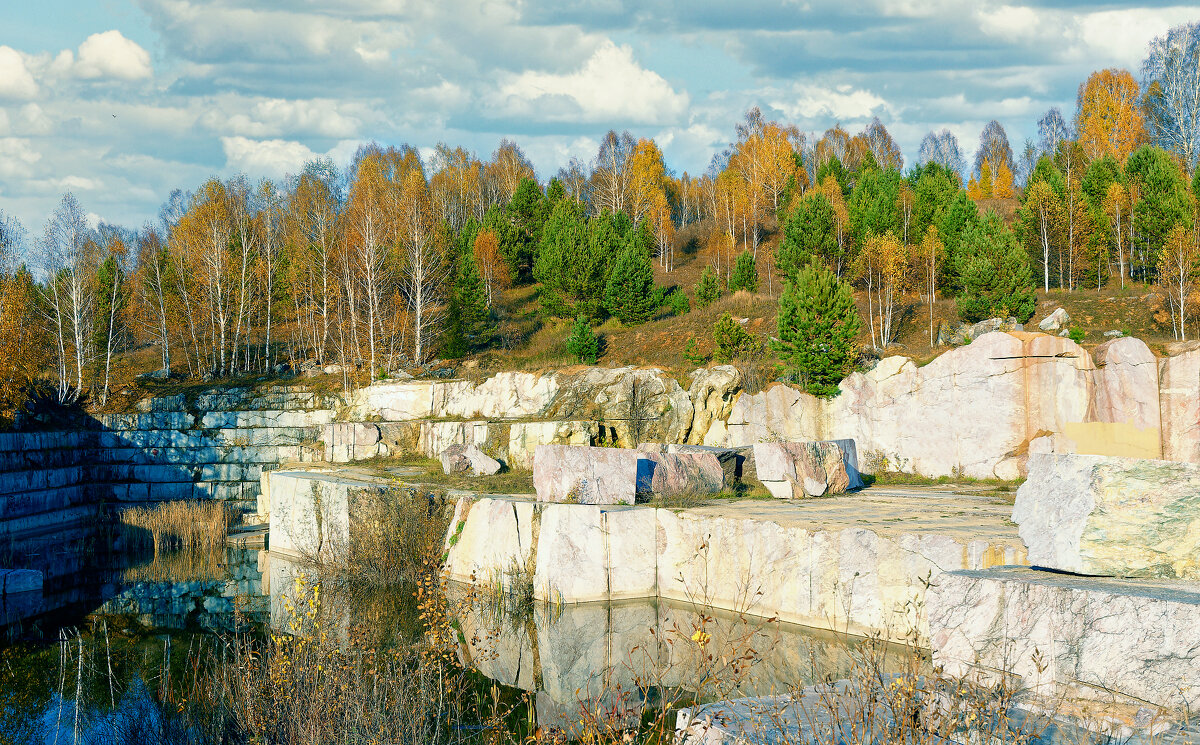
[[470, 325], [817, 325], [629, 295], [745, 274], [707, 289], [582, 343], [994, 273]]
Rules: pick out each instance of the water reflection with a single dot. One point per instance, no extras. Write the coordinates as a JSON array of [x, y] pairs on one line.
[[609, 661]]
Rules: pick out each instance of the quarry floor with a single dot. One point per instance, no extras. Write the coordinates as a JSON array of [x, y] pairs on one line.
[[960, 511]]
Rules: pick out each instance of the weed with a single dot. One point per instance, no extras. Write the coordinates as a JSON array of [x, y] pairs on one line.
[[191, 525]]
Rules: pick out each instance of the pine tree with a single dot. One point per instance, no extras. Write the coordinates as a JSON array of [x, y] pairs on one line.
[[809, 232], [528, 210], [629, 295], [1163, 201], [960, 215], [994, 273], [707, 289], [817, 325], [582, 343], [558, 265], [470, 325], [745, 274]]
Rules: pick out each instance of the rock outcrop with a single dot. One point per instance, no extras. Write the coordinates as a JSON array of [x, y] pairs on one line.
[[1112, 517], [976, 410], [972, 410]]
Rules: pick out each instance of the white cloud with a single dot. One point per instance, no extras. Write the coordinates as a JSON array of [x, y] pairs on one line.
[[1013, 23], [111, 55], [33, 120], [610, 85], [17, 157], [275, 117], [1122, 35], [71, 183], [265, 157], [808, 101], [15, 79], [276, 158]]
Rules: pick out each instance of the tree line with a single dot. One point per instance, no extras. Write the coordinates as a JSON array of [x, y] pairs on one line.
[[397, 259]]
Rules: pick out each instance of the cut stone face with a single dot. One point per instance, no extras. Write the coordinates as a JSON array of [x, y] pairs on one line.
[[1094, 635], [1112, 517], [346, 442], [588, 475]]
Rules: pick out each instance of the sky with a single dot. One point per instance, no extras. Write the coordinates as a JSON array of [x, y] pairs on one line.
[[121, 101]]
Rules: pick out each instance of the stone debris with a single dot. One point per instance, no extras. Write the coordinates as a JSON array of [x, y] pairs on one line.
[[470, 460], [794, 470], [1111, 517]]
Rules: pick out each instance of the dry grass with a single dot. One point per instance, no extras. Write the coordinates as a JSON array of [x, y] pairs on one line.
[[396, 534], [186, 525]]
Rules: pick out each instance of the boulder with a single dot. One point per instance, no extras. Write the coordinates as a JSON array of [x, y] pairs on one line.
[[470, 460], [737, 463], [1056, 321], [794, 470], [588, 475], [1113, 517]]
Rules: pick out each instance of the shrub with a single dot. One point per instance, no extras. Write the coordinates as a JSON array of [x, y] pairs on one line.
[[692, 354], [732, 342], [707, 289], [583, 344], [395, 534]]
